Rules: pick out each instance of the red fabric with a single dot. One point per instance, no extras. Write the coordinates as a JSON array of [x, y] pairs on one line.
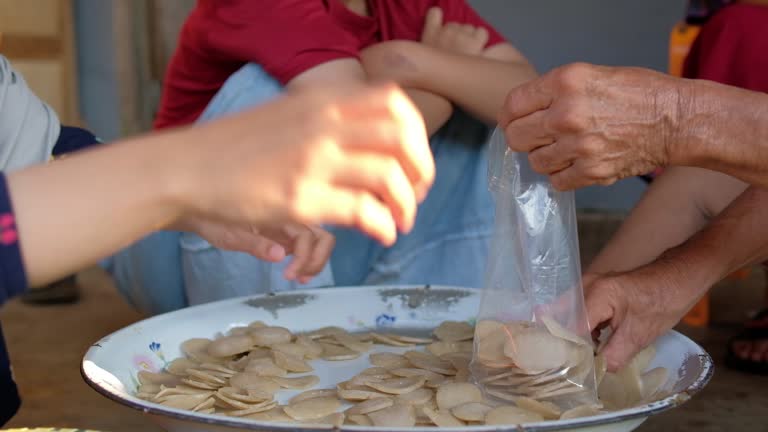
[[286, 37], [732, 48]]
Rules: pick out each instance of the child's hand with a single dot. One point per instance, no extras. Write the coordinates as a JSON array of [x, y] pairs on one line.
[[310, 246], [353, 157], [454, 37]]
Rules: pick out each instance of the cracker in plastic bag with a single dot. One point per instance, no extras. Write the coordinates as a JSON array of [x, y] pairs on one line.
[[532, 340]]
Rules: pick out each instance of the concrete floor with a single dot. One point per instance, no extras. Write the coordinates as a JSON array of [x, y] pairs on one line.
[[47, 343]]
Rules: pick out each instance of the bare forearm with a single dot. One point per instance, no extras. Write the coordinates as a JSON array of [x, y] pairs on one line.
[[435, 109], [738, 237], [724, 129], [378, 63], [70, 213], [477, 84], [690, 197]]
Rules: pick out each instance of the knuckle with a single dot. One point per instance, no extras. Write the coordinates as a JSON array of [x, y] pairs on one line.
[[591, 146], [573, 76], [568, 119], [604, 285], [600, 173]]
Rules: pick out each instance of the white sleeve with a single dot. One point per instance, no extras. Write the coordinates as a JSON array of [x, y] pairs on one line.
[[28, 127]]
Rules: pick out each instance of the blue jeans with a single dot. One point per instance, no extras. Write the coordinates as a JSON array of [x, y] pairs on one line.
[[448, 245]]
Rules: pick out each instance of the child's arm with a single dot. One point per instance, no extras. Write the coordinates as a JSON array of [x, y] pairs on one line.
[[477, 84], [484, 42], [456, 44], [300, 45], [357, 159], [434, 109]]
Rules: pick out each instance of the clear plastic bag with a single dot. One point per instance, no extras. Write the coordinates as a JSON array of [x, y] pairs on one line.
[[532, 339]]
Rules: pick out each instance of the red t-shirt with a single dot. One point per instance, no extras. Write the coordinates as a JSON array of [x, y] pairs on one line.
[[732, 48], [285, 37]]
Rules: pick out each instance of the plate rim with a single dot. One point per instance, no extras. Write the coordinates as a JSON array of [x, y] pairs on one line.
[[642, 411]]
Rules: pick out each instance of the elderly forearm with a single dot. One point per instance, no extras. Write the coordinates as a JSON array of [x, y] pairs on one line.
[[72, 212], [737, 237], [722, 128]]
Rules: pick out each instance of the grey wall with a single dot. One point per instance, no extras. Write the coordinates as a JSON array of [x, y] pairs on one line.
[[612, 32], [549, 32]]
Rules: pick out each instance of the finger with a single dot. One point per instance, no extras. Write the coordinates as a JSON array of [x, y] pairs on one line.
[[599, 308], [529, 133], [454, 30], [260, 247], [324, 204], [481, 36], [550, 159], [385, 120], [321, 253], [403, 134], [432, 24], [449, 36], [303, 240], [526, 99], [267, 249], [245, 239], [570, 178], [384, 177], [467, 29], [620, 349], [582, 173]]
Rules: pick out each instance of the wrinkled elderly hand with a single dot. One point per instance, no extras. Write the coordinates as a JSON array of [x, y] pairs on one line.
[[639, 306], [585, 124]]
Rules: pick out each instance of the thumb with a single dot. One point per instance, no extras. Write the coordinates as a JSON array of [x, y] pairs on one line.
[[600, 310], [621, 348], [432, 24]]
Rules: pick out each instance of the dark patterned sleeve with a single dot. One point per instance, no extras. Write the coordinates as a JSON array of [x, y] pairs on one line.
[[13, 280], [72, 139]]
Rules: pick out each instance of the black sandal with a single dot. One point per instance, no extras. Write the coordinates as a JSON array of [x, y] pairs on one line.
[[754, 330]]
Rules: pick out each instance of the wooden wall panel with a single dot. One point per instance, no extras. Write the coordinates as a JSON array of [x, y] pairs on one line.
[[38, 38], [31, 17]]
